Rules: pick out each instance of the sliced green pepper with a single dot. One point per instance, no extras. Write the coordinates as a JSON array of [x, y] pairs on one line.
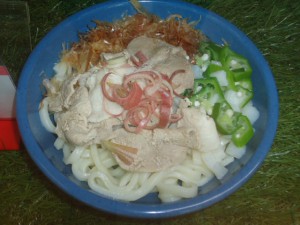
[[242, 135], [238, 76], [207, 92], [225, 118], [212, 49], [208, 82], [213, 68], [230, 79], [245, 83], [229, 122], [202, 60], [234, 62], [237, 64], [245, 95]]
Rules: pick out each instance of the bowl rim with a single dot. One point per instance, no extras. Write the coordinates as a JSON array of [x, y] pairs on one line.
[[131, 209]]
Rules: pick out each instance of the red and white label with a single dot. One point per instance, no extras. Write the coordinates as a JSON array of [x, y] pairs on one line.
[[9, 134]]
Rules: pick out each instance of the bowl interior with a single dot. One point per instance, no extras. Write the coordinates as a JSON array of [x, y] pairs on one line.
[[40, 143]]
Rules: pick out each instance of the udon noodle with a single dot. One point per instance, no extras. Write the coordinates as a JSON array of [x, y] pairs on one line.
[[99, 169]]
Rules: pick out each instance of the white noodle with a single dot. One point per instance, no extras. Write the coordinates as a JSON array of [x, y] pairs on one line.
[[44, 116], [59, 143], [81, 169], [75, 155]]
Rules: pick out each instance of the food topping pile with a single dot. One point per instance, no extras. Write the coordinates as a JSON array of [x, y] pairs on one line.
[[149, 96], [115, 37]]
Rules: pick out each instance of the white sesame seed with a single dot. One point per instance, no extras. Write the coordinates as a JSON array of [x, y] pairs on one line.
[[197, 103], [229, 112], [205, 57]]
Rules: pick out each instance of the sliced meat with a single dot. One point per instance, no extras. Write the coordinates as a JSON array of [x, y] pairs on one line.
[[69, 88], [164, 58], [82, 120], [79, 102], [74, 128], [156, 150], [150, 151], [77, 130], [54, 96]]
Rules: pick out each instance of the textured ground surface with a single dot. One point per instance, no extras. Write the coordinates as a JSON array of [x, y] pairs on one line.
[[272, 196]]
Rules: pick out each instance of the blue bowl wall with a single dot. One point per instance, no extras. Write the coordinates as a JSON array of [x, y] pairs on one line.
[[40, 143]]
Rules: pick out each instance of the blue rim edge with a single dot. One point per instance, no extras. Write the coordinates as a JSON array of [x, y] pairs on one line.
[[139, 210]]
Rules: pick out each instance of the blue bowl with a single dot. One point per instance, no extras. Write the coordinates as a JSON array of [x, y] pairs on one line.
[[39, 142]]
